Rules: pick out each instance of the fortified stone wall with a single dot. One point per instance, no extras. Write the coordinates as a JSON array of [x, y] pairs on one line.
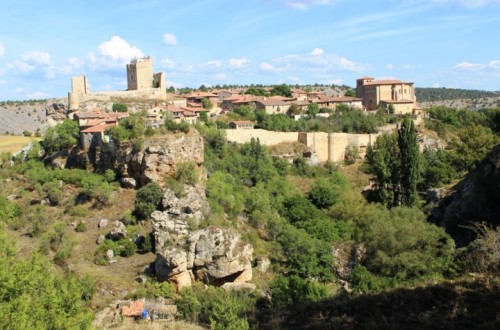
[[326, 146], [267, 138]]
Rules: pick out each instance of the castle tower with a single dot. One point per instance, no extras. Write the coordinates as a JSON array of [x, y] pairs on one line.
[[140, 74]]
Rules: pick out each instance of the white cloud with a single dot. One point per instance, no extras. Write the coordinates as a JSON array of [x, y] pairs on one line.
[[389, 66], [238, 62], [469, 66], [317, 52], [267, 67], [215, 63], [75, 62], [170, 39], [167, 63], [21, 67], [3, 82], [2, 49], [220, 76], [36, 57], [115, 52], [436, 85]]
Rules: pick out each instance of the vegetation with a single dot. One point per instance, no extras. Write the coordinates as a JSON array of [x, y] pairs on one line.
[[439, 94], [119, 107], [293, 213], [62, 136]]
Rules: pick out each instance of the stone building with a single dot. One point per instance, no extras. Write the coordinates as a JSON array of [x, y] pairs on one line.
[[140, 75], [384, 93]]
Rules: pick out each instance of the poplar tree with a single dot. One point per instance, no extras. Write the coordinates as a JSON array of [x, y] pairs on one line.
[[410, 162]]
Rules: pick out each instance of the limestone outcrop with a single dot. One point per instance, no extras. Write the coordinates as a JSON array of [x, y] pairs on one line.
[[179, 213], [474, 199], [213, 255], [137, 165]]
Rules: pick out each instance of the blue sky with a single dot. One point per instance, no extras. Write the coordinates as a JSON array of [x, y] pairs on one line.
[[433, 43]]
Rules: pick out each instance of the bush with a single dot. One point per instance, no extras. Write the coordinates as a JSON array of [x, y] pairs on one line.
[[294, 290], [81, 227], [119, 107], [148, 199], [187, 173]]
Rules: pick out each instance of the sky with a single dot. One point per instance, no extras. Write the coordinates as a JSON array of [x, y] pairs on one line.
[[433, 43]]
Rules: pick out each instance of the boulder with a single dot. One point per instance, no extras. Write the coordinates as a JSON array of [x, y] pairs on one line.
[[213, 255], [262, 264], [128, 183], [100, 239], [102, 223], [219, 255], [118, 232], [171, 265], [247, 287]]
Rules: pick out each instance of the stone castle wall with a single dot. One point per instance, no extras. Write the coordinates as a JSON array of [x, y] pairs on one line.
[[326, 146]]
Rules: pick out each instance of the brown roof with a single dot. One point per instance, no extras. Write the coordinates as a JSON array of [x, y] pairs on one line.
[[271, 102], [97, 128]]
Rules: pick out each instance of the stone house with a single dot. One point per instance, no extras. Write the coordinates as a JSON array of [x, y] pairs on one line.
[[332, 102], [272, 106], [382, 93]]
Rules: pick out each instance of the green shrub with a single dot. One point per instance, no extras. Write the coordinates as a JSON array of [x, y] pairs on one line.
[[294, 291], [119, 107], [187, 173], [127, 248], [81, 227]]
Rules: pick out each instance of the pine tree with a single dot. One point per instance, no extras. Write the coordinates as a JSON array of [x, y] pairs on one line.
[[410, 162]]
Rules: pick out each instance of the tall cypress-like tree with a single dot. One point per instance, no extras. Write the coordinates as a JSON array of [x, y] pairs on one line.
[[410, 162]]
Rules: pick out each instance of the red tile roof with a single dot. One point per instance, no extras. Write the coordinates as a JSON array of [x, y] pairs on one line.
[[97, 128]]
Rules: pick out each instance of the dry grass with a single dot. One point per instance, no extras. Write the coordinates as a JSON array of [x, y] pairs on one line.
[[13, 144]]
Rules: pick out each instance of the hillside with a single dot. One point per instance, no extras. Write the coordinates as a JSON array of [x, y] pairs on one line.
[[457, 98]]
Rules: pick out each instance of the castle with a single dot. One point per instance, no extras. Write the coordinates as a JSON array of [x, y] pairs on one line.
[[141, 83]]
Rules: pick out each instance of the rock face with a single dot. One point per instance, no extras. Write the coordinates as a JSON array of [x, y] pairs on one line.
[[347, 256], [136, 165], [213, 255], [173, 223], [475, 199]]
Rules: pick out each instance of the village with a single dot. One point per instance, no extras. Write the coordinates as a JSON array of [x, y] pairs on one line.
[[397, 97]]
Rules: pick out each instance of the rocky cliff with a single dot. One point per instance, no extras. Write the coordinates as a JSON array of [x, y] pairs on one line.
[[474, 199], [137, 165]]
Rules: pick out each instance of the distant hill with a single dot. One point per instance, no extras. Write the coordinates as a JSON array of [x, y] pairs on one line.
[[457, 98], [428, 94]]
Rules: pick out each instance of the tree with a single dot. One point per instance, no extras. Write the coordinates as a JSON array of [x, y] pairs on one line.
[[385, 162], [294, 110], [62, 136], [119, 107], [312, 109], [207, 104], [283, 90], [147, 200], [410, 161]]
